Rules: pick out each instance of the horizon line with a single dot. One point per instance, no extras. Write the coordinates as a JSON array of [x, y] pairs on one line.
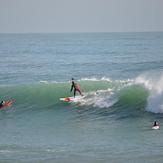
[[79, 32]]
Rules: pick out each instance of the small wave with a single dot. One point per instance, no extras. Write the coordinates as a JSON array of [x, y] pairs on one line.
[[5, 151], [44, 81], [96, 79]]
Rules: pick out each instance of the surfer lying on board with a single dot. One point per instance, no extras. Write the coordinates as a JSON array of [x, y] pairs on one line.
[[75, 87], [4, 104], [155, 125]]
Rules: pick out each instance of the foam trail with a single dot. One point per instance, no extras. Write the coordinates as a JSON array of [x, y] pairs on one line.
[[100, 98]]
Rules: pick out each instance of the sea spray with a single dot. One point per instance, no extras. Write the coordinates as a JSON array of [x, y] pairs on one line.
[[154, 83]]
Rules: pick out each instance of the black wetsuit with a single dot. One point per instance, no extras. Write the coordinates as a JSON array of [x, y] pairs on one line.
[[76, 88]]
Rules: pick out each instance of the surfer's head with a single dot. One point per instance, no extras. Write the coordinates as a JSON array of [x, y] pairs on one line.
[[72, 79], [2, 102]]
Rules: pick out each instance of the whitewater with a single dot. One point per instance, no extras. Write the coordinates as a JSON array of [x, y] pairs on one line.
[[121, 77]]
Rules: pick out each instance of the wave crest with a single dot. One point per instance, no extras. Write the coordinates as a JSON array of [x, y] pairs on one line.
[[154, 84]]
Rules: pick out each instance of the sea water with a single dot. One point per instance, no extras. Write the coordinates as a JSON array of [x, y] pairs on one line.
[[121, 77]]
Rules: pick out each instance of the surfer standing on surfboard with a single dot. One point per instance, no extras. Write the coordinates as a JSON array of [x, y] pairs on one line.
[[76, 87]]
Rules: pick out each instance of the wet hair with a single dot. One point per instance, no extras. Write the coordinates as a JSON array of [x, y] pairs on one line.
[[72, 78]]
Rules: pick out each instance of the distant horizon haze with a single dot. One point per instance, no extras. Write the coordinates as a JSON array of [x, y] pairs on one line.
[[80, 16]]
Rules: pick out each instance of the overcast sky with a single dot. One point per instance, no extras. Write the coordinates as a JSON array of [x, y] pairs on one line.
[[17, 16]]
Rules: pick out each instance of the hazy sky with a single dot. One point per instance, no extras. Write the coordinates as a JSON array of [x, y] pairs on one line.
[[80, 15]]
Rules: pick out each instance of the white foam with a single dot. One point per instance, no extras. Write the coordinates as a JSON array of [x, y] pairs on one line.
[[44, 81], [96, 79], [51, 82], [128, 81], [5, 151], [155, 86], [100, 98]]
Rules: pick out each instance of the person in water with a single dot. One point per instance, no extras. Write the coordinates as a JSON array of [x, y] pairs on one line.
[[155, 124], [2, 104], [76, 87]]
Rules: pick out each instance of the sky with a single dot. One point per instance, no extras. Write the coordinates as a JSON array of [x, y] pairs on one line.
[[60, 16]]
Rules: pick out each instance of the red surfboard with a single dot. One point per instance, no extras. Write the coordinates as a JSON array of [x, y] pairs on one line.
[[72, 99]]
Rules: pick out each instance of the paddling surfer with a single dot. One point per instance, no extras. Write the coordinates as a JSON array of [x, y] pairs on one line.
[[155, 126], [4, 104]]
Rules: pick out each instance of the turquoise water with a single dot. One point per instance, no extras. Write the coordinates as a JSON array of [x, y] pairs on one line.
[[121, 76]]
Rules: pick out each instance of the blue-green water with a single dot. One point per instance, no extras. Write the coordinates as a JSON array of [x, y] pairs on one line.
[[121, 76]]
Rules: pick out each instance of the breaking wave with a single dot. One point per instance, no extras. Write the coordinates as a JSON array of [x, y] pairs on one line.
[[98, 93]]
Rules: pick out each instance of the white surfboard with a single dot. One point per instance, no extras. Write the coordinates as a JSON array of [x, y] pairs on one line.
[[71, 99], [155, 127]]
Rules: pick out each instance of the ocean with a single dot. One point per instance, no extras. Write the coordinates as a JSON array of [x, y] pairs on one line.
[[121, 77]]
